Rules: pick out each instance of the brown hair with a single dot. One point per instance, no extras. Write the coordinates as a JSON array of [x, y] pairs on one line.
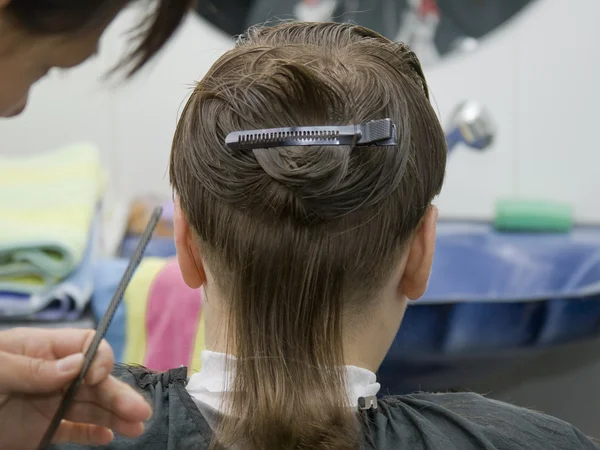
[[301, 238], [67, 16]]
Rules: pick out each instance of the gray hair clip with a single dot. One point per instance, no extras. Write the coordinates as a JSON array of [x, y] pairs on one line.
[[376, 132], [367, 402]]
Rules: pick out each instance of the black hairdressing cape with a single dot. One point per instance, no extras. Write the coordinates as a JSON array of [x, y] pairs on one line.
[[457, 421]]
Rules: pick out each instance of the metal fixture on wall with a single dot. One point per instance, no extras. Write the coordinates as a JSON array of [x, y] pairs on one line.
[[470, 124]]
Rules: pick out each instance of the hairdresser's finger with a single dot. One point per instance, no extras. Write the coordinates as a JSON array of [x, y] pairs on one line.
[[45, 343], [104, 359], [82, 434], [117, 398], [88, 413], [102, 365], [23, 374], [57, 344]]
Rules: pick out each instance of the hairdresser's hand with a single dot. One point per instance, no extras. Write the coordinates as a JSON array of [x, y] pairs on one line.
[[36, 367]]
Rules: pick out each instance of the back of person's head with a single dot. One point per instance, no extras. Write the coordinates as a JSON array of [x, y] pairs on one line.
[[298, 245]]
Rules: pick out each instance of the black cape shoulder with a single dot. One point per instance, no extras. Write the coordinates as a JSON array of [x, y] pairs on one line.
[[453, 421]]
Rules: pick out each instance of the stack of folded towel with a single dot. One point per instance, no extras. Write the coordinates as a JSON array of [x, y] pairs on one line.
[[48, 230]]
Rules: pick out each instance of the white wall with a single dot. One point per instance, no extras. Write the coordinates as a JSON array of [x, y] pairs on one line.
[[558, 93], [145, 111], [537, 75]]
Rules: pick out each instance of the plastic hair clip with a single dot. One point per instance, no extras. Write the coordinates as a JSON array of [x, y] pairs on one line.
[[367, 402], [376, 132]]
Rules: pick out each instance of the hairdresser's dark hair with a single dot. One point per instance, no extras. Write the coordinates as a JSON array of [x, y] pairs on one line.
[[300, 240], [67, 16]]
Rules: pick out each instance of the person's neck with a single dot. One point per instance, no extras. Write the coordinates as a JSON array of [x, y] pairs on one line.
[[215, 334], [365, 348]]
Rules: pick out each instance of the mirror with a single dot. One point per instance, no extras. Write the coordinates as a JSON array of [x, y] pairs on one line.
[[434, 29]]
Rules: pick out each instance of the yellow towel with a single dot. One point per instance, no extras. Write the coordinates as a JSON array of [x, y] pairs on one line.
[[47, 203]]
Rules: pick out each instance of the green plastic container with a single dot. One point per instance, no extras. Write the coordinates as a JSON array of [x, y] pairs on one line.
[[533, 216]]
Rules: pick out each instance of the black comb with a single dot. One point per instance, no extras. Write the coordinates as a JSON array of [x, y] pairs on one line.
[[101, 330], [376, 132]]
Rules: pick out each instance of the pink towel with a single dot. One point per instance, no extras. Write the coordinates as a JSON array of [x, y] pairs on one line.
[[172, 320]]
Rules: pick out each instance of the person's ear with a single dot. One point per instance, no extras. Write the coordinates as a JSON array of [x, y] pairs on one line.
[[188, 256], [420, 257]]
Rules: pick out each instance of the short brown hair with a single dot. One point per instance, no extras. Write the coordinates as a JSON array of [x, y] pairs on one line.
[[66, 16], [302, 238]]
